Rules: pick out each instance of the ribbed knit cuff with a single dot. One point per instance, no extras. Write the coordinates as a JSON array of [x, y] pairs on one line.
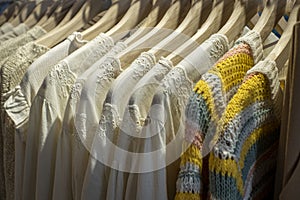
[[253, 39]]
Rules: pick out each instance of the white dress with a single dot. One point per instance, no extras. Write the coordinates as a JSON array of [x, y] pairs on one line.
[[132, 139], [46, 116], [70, 148], [99, 179], [19, 100]]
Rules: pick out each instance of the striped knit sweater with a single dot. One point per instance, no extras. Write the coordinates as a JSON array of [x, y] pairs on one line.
[[205, 107], [242, 163]]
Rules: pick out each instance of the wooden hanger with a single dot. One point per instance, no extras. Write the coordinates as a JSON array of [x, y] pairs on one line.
[[173, 17], [24, 13], [11, 11], [271, 14], [60, 17], [46, 8], [111, 17], [217, 18], [86, 13], [195, 18], [76, 9], [280, 53], [56, 13], [159, 9], [137, 12], [242, 14]]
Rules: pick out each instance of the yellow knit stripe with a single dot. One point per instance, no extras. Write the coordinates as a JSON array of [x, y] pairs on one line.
[[259, 89], [192, 155], [230, 167], [233, 69], [187, 196]]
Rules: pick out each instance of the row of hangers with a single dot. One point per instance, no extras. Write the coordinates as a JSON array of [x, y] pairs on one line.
[[197, 19]]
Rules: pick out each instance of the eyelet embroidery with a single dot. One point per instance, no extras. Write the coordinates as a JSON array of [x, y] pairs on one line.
[[177, 84], [61, 76], [109, 120], [111, 68], [143, 64]]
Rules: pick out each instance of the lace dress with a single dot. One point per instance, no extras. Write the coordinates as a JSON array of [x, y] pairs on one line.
[[19, 100], [100, 175], [133, 139], [205, 106], [71, 148], [46, 115]]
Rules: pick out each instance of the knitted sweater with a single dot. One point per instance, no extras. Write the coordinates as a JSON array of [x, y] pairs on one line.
[[205, 107], [242, 163], [11, 74]]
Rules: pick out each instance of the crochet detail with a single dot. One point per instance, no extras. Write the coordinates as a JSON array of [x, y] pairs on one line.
[[189, 179], [143, 64], [253, 39]]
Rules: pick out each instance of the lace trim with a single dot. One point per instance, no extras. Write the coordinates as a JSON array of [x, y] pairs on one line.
[[76, 91], [105, 43], [132, 122], [112, 68], [220, 45], [109, 120], [62, 78], [143, 64], [253, 39], [178, 84]]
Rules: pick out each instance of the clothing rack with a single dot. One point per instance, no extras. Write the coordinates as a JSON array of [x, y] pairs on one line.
[[149, 99]]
